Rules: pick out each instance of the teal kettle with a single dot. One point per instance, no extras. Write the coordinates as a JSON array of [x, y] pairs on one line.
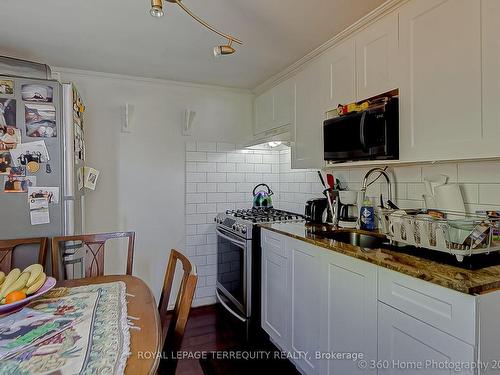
[[262, 198]]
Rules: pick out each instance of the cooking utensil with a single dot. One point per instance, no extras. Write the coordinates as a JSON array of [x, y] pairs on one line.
[[392, 205], [262, 198], [322, 179], [330, 180]]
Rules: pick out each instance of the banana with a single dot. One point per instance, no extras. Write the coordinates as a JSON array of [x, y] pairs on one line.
[[37, 284], [35, 270], [11, 277], [2, 277], [19, 284]]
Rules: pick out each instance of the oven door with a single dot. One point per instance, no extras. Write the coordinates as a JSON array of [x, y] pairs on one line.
[[234, 273]]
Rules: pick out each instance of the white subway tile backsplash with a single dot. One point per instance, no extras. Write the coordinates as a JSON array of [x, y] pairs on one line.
[[196, 219], [253, 158], [271, 158], [205, 208], [195, 198], [489, 193], [415, 191], [407, 174], [479, 172], [223, 207], [217, 157], [450, 170], [235, 177], [206, 146], [196, 177], [216, 197], [263, 168], [216, 177], [226, 187], [226, 167], [254, 177], [206, 167], [196, 156], [191, 166], [234, 157], [245, 168], [206, 187], [470, 192]]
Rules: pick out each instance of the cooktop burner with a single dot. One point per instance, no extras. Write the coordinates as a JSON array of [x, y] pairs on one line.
[[263, 215]]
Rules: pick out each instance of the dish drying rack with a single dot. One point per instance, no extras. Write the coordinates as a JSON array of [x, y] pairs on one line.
[[462, 234]]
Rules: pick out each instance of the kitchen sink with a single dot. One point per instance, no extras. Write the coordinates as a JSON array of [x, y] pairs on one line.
[[355, 238]]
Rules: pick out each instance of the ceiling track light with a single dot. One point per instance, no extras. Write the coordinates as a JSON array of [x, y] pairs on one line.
[[157, 11]]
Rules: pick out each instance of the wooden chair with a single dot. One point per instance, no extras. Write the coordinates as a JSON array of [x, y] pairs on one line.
[[7, 248], [173, 333], [94, 245]]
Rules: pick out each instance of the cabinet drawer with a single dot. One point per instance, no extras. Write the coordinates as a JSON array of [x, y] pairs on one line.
[[445, 309], [274, 241]]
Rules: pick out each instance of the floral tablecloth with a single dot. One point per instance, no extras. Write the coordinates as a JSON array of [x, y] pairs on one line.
[[98, 342]]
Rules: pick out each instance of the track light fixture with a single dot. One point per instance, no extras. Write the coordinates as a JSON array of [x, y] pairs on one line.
[[226, 49], [157, 11], [156, 8]]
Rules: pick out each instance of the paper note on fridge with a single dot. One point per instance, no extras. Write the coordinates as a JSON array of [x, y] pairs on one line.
[[31, 151], [50, 193], [90, 176], [39, 211]]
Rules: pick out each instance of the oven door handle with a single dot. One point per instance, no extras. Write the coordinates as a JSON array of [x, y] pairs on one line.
[[226, 306], [233, 240]]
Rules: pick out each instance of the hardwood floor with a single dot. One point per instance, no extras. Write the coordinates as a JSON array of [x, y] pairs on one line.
[[208, 329]]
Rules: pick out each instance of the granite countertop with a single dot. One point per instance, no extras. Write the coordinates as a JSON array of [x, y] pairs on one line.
[[463, 280]]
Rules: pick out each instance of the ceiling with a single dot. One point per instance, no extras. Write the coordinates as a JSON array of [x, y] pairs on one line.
[[119, 36]]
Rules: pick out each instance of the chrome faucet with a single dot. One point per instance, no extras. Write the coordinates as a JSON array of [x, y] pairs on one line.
[[382, 172]]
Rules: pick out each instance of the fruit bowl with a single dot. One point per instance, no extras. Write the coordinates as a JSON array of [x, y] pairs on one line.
[[14, 306]]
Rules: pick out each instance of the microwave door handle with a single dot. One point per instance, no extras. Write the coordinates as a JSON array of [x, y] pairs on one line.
[[362, 138]]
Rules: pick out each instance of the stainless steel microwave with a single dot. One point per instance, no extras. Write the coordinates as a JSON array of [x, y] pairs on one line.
[[372, 134]]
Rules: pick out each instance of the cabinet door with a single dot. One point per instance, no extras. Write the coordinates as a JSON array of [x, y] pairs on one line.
[[284, 103], [306, 321], [264, 112], [351, 322], [405, 342], [307, 149], [440, 106], [376, 53], [342, 73], [275, 289], [490, 16]]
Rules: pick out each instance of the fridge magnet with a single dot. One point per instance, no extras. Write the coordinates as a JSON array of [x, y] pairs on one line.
[[14, 184], [90, 176], [37, 93], [6, 87], [79, 178], [39, 211], [40, 120], [7, 112], [33, 166], [5, 162], [9, 137], [18, 171], [31, 151], [49, 193]]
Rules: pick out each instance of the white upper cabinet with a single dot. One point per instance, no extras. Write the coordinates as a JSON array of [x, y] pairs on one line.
[[440, 91], [341, 67], [264, 112], [284, 103], [376, 52], [490, 16], [311, 82], [275, 107]]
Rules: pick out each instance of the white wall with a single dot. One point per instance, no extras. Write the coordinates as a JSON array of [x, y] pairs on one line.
[[220, 177], [141, 186]]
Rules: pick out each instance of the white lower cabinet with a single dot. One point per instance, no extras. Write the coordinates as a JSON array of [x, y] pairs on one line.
[[306, 322], [320, 306], [409, 346], [275, 304], [350, 324]]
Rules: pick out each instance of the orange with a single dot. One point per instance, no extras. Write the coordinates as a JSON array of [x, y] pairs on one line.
[[14, 296]]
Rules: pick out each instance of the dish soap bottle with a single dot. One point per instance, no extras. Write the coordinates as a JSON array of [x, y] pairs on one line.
[[367, 215]]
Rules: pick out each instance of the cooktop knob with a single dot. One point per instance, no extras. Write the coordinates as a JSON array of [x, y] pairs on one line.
[[243, 230]]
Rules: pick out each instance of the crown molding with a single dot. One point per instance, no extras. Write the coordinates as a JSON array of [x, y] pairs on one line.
[[374, 15], [56, 70]]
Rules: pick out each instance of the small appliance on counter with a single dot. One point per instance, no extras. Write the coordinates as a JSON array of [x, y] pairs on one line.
[[262, 198], [349, 207], [316, 211]]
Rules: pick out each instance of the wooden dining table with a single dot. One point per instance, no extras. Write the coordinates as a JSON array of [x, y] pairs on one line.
[[146, 342]]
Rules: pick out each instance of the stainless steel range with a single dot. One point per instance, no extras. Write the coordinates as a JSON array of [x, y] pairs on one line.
[[238, 260]]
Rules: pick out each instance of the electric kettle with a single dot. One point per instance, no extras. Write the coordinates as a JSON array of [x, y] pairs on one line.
[[262, 198]]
